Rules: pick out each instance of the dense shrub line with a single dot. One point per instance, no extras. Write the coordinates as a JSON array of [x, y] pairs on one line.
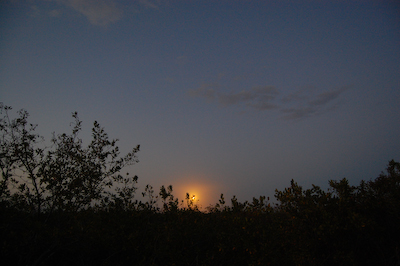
[[68, 204], [344, 226]]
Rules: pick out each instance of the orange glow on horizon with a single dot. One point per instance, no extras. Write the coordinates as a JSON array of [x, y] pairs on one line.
[[202, 192]]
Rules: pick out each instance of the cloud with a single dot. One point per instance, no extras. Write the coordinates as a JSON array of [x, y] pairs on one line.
[[98, 12], [148, 4], [258, 97], [299, 104], [206, 90], [38, 11], [326, 97], [298, 113], [296, 105], [300, 95]]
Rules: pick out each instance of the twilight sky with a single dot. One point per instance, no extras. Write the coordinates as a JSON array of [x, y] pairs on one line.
[[234, 97]]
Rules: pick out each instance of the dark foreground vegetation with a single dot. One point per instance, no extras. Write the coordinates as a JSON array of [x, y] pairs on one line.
[[68, 205]]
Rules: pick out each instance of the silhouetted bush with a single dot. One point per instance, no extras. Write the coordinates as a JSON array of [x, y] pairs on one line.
[[58, 207]]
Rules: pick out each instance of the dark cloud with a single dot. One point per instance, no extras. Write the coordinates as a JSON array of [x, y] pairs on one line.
[[262, 105], [302, 94], [297, 113], [299, 104], [296, 105], [326, 97], [235, 98], [257, 97]]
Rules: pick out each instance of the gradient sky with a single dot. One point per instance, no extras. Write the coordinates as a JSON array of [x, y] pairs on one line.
[[233, 97]]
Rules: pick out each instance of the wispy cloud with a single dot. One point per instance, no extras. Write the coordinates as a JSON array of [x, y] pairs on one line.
[[258, 97], [149, 4], [299, 104], [326, 97], [98, 12], [297, 113], [206, 90], [38, 11], [296, 105]]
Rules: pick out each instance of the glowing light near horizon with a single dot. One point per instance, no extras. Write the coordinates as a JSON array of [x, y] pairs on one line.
[[202, 192]]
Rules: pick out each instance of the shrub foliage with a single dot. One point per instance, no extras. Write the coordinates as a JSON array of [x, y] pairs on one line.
[[69, 205]]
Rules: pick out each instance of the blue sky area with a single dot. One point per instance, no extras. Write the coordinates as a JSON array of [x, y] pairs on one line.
[[233, 97]]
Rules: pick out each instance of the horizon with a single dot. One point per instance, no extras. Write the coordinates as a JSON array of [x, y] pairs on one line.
[[231, 97]]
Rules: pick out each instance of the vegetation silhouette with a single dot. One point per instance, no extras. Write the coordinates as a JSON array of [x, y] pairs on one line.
[[68, 204]]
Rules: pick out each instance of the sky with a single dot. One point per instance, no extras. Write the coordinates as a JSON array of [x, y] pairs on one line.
[[235, 97]]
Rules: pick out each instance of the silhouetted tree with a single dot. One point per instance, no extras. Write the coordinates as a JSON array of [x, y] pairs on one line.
[[345, 225], [169, 202], [66, 176]]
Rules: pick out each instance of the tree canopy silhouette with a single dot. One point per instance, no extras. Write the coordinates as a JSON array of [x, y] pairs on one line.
[[66, 175], [87, 215]]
